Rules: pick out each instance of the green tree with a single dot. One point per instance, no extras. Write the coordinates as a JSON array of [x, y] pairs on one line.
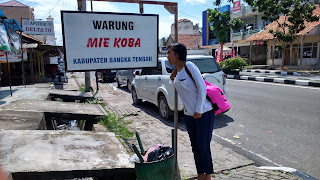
[[164, 41], [222, 25], [294, 15]]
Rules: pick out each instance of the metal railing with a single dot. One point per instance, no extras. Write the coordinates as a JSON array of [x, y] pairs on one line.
[[249, 31]]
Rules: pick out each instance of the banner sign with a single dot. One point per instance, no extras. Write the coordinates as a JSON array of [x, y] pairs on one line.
[[219, 54], [259, 43], [13, 57], [233, 54], [236, 7], [14, 41], [4, 43], [96, 40], [37, 27]]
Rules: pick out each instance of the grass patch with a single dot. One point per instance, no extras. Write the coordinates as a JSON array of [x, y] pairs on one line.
[[95, 101], [82, 88], [73, 76], [116, 125]]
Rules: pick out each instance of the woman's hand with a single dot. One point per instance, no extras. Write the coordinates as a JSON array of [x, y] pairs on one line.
[[173, 74], [197, 115]]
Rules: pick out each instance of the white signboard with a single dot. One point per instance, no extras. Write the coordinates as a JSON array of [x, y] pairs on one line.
[[13, 57], [37, 27], [94, 40]]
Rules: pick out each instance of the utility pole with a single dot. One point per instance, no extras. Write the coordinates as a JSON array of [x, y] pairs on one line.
[[82, 7]]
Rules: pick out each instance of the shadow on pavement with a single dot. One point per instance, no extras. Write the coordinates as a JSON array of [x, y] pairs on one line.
[[222, 121], [58, 85], [125, 89], [5, 93], [152, 110]]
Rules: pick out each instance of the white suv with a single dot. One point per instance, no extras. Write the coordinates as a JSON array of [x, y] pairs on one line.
[[153, 84]]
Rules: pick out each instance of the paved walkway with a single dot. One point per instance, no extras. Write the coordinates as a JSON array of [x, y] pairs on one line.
[[153, 130]]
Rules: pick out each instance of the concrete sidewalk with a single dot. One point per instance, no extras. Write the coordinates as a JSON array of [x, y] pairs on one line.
[[227, 163], [30, 150]]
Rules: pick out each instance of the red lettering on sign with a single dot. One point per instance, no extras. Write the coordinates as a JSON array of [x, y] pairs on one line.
[[137, 43], [92, 43], [105, 42], [118, 42]]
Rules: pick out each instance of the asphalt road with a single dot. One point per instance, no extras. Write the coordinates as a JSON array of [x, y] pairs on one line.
[[273, 124]]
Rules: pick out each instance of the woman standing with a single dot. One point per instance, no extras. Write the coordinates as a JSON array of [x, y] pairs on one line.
[[198, 112]]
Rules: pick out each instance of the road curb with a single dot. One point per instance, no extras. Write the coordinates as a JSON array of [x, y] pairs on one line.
[[275, 80], [272, 72]]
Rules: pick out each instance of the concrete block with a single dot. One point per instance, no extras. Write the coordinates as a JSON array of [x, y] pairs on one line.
[[61, 152], [260, 79], [22, 120], [278, 80], [244, 77], [302, 82]]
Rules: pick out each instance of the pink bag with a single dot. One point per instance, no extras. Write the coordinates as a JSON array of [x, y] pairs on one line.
[[215, 95], [217, 98]]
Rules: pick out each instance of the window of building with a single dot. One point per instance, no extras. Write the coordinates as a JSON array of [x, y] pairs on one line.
[[277, 53], [310, 50]]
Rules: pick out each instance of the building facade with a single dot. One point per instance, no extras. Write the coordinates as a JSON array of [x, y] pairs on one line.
[[188, 34], [185, 26], [252, 24], [38, 51], [304, 52]]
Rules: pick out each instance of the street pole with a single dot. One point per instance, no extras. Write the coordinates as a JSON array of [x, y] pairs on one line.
[[22, 62], [82, 7], [9, 72], [176, 101]]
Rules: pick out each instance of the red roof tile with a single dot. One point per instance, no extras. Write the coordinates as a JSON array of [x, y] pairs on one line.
[[33, 38], [184, 20], [13, 3], [190, 41], [265, 35]]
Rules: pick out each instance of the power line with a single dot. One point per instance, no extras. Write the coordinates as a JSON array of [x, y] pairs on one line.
[[52, 8], [189, 15], [205, 4]]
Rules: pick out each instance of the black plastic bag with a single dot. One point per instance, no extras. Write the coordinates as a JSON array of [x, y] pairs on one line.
[[160, 153]]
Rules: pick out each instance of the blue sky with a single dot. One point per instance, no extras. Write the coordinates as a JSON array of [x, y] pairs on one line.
[[190, 9]]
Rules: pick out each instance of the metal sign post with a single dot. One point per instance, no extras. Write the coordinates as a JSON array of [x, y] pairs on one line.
[[9, 72], [172, 7]]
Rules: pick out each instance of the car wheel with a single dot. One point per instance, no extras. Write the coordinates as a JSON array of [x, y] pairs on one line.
[[118, 84], [163, 107], [129, 85], [135, 97]]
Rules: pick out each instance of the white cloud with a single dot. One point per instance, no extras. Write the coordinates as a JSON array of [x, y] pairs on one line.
[[195, 1], [164, 32], [41, 11]]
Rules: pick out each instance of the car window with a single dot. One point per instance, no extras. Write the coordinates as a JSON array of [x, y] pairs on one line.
[[152, 71], [169, 67], [207, 65]]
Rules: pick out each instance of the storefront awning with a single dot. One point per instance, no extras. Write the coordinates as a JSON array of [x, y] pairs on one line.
[[13, 24]]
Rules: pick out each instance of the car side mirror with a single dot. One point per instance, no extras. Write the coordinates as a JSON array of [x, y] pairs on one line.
[[137, 73]]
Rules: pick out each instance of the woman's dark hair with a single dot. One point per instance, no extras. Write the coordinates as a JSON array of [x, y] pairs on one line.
[[180, 49]]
